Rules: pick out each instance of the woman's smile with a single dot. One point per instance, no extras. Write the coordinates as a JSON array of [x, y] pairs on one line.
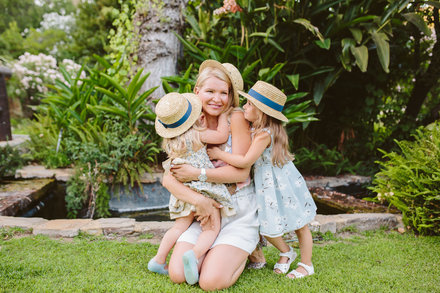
[[214, 95]]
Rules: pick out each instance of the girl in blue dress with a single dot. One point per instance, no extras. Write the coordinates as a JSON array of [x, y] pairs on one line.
[[284, 201]]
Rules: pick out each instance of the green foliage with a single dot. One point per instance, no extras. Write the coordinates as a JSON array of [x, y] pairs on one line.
[[324, 161], [123, 39], [8, 233], [93, 22], [75, 195], [410, 180], [21, 28], [11, 160], [101, 126]]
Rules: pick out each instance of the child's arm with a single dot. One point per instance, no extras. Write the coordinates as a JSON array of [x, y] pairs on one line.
[[259, 144], [218, 136]]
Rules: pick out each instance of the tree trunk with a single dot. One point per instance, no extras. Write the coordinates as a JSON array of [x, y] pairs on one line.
[[159, 48]]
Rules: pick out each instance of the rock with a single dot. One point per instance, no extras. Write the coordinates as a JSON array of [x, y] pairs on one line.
[[120, 226], [24, 223], [61, 228]]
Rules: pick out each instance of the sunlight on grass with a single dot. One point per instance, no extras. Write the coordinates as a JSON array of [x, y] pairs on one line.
[[367, 262]]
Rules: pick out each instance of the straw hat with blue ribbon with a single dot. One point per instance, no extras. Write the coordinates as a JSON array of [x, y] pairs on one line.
[[176, 113], [268, 99], [231, 71]]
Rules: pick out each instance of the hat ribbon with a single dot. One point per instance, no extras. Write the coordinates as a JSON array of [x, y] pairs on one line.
[[268, 102], [181, 120]]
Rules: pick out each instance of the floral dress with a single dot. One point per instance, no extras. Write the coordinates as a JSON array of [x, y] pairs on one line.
[[284, 201], [216, 191]]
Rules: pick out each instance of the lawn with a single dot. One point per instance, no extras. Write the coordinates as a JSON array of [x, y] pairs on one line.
[[363, 262]]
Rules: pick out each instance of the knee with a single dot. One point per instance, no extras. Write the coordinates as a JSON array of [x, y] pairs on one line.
[[176, 277], [213, 282]]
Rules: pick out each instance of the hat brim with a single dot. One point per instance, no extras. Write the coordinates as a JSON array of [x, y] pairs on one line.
[[218, 65], [196, 105], [264, 108]]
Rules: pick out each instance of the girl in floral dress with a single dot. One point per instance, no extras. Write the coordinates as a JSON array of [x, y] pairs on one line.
[[184, 142], [284, 201]]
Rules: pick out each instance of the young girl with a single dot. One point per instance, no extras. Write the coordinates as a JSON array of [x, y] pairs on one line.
[[176, 122], [284, 202]]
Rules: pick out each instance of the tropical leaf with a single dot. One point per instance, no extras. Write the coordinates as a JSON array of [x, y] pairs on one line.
[[361, 55], [383, 49]]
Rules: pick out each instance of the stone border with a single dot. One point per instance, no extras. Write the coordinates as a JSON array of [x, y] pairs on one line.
[[128, 226]]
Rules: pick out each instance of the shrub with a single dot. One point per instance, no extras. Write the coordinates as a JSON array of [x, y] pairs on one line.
[[324, 161], [11, 160], [410, 180], [101, 126]]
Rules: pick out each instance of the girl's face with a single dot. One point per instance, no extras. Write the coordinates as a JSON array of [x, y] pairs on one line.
[[250, 112], [214, 94]]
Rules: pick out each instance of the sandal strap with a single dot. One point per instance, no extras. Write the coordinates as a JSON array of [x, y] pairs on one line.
[[297, 274], [310, 269], [284, 267], [290, 254]]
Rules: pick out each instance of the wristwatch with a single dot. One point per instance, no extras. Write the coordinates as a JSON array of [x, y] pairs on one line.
[[202, 177]]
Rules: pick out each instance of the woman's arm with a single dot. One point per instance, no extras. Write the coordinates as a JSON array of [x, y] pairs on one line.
[[241, 140], [259, 144], [204, 205]]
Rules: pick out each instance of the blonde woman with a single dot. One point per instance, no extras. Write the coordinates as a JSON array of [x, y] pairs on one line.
[[221, 266]]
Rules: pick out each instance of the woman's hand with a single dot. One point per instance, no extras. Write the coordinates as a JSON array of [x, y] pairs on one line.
[[214, 153], [205, 209], [185, 172]]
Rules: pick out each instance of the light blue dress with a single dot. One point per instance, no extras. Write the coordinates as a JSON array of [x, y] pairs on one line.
[[284, 201]]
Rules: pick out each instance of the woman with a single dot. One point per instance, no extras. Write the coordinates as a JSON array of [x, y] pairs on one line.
[[217, 86]]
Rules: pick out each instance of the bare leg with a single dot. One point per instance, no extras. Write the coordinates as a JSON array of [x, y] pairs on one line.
[[282, 246], [175, 268], [171, 236], [208, 235], [222, 266], [257, 256], [305, 240]]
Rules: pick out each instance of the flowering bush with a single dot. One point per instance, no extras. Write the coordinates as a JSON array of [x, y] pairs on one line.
[[33, 73]]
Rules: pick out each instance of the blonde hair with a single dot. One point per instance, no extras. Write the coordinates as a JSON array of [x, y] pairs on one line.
[[280, 154], [215, 72], [178, 146]]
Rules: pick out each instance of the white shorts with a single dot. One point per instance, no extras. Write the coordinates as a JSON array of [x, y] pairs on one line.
[[240, 230]]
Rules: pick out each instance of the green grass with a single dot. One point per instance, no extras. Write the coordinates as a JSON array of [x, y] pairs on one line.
[[368, 262]]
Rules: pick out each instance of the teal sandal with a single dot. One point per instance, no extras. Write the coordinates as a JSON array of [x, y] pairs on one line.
[[155, 267]]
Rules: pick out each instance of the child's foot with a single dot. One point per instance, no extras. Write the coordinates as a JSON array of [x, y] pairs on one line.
[[283, 264], [190, 267], [155, 267], [301, 271]]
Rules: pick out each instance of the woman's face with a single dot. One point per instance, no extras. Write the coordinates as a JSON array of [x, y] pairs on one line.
[[214, 94]]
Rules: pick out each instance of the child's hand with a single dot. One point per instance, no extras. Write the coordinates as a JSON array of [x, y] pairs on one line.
[[214, 153]]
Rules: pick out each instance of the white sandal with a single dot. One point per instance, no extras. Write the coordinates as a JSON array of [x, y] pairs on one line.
[[310, 271], [284, 267]]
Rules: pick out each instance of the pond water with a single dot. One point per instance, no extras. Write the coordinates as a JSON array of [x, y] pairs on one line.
[[150, 203]]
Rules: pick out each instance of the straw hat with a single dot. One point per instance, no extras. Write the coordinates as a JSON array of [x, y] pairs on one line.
[[231, 71], [268, 99], [176, 113]]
